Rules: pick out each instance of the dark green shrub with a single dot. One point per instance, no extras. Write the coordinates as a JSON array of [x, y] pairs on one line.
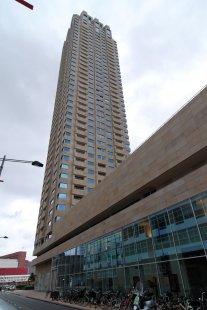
[[29, 287], [20, 286]]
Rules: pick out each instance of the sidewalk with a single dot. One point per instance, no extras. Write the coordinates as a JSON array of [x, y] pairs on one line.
[[42, 296]]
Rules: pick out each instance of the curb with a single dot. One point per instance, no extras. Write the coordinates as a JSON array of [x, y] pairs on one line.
[[55, 302]]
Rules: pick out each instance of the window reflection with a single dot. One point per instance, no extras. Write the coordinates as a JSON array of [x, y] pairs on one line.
[[162, 236], [194, 275], [143, 239], [199, 204], [170, 278], [132, 277], [149, 278], [162, 253], [185, 231]]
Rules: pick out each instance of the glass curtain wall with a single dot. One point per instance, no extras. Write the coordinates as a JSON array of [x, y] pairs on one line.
[[164, 253]]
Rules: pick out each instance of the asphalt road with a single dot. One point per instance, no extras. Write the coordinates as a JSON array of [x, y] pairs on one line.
[[5, 306], [9, 301]]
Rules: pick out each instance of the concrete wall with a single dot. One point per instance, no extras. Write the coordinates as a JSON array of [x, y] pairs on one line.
[[173, 162]]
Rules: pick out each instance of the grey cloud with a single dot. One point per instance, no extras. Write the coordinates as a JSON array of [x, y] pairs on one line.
[[158, 41]]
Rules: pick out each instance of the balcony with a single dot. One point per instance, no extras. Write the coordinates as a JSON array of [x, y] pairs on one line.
[[118, 131], [81, 118], [115, 100], [82, 95], [119, 145], [41, 235], [43, 214], [83, 78], [79, 170], [42, 225], [117, 118], [81, 125], [79, 192], [83, 65], [78, 181], [48, 230], [118, 127], [120, 158], [80, 139], [80, 154], [81, 131], [80, 147], [82, 100], [80, 163], [102, 171], [82, 109]]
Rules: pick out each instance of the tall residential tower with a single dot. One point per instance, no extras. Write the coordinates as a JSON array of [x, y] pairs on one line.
[[89, 136]]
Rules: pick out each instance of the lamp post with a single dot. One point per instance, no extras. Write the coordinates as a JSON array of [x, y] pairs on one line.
[[33, 163], [25, 3]]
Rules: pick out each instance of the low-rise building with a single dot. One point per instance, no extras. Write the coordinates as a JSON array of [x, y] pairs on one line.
[[14, 268]]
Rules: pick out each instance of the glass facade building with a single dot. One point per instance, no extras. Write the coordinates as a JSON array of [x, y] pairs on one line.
[[163, 252]]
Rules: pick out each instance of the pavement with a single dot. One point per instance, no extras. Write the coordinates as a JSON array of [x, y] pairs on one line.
[[44, 297]]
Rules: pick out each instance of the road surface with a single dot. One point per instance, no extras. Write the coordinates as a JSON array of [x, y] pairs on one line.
[[5, 305], [10, 301]]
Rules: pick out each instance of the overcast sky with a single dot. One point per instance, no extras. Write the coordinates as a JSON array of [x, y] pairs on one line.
[[163, 59]]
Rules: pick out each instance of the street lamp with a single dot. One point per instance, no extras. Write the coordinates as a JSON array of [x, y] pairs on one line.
[[25, 3], [33, 163]]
